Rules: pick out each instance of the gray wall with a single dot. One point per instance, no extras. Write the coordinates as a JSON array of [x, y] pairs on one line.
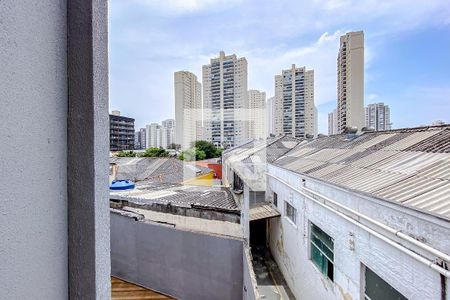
[[250, 289], [186, 265], [33, 147], [53, 70]]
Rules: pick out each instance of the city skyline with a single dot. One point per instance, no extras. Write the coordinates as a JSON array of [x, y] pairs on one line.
[[400, 71]]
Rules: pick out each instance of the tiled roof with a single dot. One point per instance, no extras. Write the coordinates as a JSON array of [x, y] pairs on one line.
[[406, 166], [174, 194], [152, 169]]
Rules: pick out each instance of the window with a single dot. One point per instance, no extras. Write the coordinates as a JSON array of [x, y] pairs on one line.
[[378, 289], [275, 199], [322, 255], [290, 212]]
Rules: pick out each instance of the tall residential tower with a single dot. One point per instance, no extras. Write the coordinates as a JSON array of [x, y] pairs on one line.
[[378, 116], [294, 110], [350, 77], [188, 105], [225, 101], [257, 114]]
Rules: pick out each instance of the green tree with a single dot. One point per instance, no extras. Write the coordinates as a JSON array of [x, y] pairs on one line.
[[155, 152], [130, 153], [192, 154], [207, 147]]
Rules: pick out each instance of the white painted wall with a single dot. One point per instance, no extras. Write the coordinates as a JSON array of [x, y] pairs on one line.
[[290, 243]]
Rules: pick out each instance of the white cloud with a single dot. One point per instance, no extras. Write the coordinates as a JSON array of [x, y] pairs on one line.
[[152, 38]]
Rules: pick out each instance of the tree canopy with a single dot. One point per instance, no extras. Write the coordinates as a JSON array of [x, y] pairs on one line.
[[208, 148], [155, 152], [130, 153]]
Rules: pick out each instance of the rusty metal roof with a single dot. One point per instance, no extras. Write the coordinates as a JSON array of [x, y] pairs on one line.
[[407, 166]]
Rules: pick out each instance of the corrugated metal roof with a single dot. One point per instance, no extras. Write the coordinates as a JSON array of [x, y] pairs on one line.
[[263, 211], [178, 195], [409, 166]]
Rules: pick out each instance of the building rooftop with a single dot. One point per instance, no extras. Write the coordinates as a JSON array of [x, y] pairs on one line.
[[154, 194], [249, 160], [410, 166], [155, 169]]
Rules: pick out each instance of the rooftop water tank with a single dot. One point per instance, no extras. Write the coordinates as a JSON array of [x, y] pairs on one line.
[[121, 185]]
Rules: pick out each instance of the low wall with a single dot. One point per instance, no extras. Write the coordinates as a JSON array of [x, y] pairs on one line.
[[183, 264], [250, 286]]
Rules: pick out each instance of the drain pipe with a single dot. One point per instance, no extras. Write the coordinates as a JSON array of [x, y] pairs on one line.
[[395, 232], [394, 244]]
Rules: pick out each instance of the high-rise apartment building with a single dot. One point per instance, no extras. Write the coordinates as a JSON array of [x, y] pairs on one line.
[[139, 139], [350, 81], [167, 132], [294, 111], [225, 101], [332, 122], [153, 135], [121, 132], [270, 116], [188, 108], [378, 116], [142, 138], [257, 114]]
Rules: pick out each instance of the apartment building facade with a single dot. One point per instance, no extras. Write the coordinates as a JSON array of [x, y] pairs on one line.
[[332, 122], [225, 100], [350, 81], [167, 132], [153, 135], [294, 110], [257, 114], [121, 132], [378, 116], [188, 108]]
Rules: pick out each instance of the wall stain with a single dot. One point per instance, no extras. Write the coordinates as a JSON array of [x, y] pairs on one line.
[[345, 296]]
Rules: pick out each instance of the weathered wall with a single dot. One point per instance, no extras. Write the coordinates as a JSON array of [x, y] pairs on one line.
[[290, 244], [250, 288], [184, 264], [33, 168]]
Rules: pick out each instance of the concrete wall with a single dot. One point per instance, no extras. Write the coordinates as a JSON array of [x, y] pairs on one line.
[[289, 244], [53, 194], [33, 167], [250, 289], [184, 264]]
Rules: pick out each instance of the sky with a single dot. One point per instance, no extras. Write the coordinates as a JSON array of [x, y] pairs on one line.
[[407, 50]]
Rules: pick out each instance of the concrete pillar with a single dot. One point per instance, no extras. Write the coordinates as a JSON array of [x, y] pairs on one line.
[[88, 144]]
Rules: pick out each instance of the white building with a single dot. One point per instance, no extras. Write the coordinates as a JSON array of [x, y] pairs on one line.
[[350, 75], [257, 114], [225, 101], [332, 122], [294, 110], [378, 116], [167, 132], [188, 108], [153, 135], [365, 226], [270, 115]]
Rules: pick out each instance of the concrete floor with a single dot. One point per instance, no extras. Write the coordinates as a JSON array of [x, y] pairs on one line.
[[270, 280]]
